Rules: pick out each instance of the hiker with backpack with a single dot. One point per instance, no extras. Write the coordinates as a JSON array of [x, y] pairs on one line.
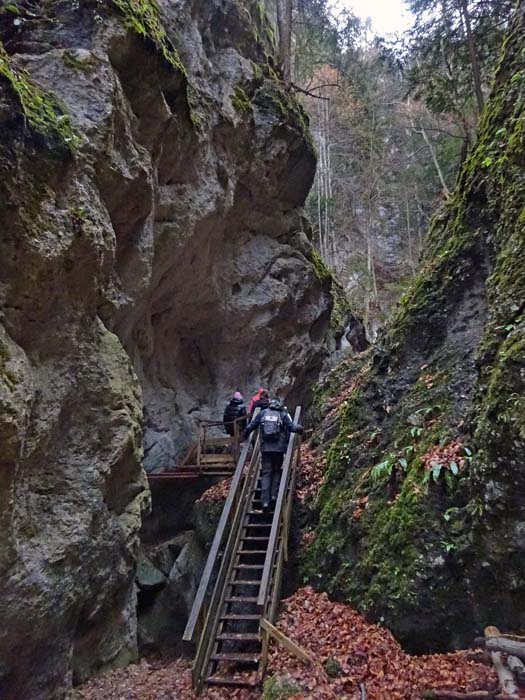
[[274, 425], [235, 410]]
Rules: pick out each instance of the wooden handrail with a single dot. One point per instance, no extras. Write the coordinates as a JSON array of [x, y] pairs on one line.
[[276, 522], [212, 619], [198, 603]]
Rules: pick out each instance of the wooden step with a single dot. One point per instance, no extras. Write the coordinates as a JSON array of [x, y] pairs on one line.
[[242, 583], [236, 656], [230, 680], [254, 538], [240, 617], [248, 566], [239, 637], [240, 599], [251, 551], [258, 525]]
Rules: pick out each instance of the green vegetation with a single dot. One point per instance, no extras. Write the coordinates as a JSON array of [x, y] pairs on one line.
[[322, 271], [73, 62], [342, 307], [279, 688], [40, 109], [143, 17], [241, 101], [332, 667]]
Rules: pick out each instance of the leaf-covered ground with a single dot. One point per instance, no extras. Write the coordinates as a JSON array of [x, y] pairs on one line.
[[349, 655]]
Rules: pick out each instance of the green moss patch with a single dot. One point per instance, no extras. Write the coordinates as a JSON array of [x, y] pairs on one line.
[[322, 271], [41, 110], [143, 17], [241, 101]]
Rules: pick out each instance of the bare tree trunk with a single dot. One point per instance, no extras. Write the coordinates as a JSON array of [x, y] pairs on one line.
[[420, 215], [320, 175], [371, 290], [330, 259], [284, 24], [409, 234], [423, 133], [319, 220], [476, 73]]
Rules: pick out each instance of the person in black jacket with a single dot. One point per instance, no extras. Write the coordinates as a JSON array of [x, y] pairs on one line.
[[275, 426], [234, 409]]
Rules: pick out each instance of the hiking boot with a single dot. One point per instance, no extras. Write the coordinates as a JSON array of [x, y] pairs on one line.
[[273, 503], [266, 508]]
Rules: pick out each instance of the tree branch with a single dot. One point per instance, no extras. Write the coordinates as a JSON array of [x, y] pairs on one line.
[[317, 87], [307, 92]]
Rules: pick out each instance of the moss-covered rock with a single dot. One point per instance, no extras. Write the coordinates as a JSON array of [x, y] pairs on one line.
[[143, 17], [436, 559], [40, 109]]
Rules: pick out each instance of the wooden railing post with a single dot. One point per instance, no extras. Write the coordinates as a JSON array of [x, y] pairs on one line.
[[236, 437]]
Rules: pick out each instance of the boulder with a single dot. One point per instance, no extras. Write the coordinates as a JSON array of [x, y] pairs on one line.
[[163, 619], [148, 577]]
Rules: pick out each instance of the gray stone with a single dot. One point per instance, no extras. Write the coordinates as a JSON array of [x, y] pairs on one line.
[[164, 555], [161, 624], [148, 577]]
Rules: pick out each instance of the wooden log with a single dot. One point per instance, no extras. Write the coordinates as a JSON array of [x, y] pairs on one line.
[[518, 669], [505, 675], [492, 631], [436, 694], [507, 646], [479, 642], [480, 656], [286, 642], [517, 637]]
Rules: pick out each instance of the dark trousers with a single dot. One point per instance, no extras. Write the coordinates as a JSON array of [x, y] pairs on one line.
[[271, 464]]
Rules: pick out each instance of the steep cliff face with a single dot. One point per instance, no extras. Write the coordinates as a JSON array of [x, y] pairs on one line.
[[422, 516], [153, 256]]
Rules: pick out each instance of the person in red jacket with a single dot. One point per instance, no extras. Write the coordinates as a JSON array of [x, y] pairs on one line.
[[261, 399]]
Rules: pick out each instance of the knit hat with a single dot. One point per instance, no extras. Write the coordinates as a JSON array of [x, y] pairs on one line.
[[238, 396]]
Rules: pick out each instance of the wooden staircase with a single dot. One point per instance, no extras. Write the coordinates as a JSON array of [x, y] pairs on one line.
[[247, 558]]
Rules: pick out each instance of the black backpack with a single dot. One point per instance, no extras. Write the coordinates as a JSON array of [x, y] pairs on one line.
[[271, 425]]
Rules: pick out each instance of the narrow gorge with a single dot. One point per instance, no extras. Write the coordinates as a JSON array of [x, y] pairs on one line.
[[155, 257]]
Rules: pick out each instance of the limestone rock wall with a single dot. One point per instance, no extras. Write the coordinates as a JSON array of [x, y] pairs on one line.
[[153, 258]]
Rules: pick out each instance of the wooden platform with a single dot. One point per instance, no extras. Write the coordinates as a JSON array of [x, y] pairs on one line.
[[211, 456]]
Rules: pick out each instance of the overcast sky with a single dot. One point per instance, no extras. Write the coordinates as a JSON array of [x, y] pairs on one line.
[[387, 16]]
